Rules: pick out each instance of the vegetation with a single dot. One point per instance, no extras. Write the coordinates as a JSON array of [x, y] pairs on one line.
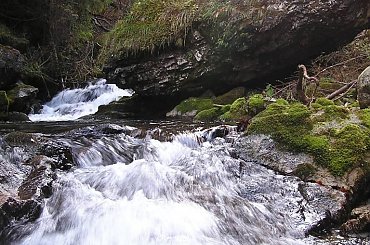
[[238, 110], [338, 148], [194, 104]]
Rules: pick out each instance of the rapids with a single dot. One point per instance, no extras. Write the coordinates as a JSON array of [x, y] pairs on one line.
[[158, 183]]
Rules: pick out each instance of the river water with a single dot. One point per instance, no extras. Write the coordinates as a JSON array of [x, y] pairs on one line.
[[142, 182]]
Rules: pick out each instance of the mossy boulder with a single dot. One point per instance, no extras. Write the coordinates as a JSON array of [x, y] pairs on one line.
[[255, 104], [363, 88], [339, 149], [209, 114], [190, 107], [22, 97], [238, 110], [230, 96]]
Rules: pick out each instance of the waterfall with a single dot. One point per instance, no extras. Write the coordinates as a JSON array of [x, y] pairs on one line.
[[72, 104]]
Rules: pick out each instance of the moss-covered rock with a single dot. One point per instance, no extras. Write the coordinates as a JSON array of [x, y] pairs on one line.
[[22, 97], [255, 104], [238, 109], [326, 110], [190, 107], [208, 115], [230, 96], [293, 125], [364, 115]]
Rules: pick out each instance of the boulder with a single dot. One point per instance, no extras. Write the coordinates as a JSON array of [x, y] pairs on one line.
[[22, 97], [363, 88], [12, 63], [4, 102], [359, 221], [249, 43]]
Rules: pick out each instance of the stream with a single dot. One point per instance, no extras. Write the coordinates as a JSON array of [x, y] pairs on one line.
[[163, 182]]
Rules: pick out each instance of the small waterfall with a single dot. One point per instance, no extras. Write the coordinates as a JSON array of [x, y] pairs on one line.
[[75, 103], [129, 190]]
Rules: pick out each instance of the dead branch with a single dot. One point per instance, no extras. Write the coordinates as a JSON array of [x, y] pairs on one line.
[[341, 90], [98, 23], [340, 63], [300, 88]]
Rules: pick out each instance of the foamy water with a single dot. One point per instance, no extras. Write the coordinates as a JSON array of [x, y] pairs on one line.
[[75, 103]]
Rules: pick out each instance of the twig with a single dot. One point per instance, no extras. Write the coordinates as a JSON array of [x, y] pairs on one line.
[[340, 63], [343, 90]]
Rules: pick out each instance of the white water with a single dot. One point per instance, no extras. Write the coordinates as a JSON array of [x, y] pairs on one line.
[[142, 191], [75, 103]]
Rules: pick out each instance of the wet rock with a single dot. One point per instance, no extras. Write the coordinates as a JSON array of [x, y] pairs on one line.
[[363, 88], [266, 151], [22, 97], [359, 222], [251, 49], [21, 139], [14, 210], [61, 155], [38, 183]]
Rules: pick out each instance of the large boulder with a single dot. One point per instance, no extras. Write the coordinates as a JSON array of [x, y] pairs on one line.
[[363, 88], [22, 97], [249, 43], [12, 63]]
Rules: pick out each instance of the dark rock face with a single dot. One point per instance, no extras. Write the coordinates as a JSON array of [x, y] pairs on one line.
[[289, 33], [12, 63], [363, 88]]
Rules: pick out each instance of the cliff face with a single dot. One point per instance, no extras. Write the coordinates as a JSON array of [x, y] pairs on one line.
[[245, 43]]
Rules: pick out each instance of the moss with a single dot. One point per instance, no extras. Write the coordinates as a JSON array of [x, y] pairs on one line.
[[364, 115], [255, 104], [237, 110], [194, 104], [324, 101], [208, 115], [4, 102], [291, 125], [349, 146], [225, 108], [329, 111]]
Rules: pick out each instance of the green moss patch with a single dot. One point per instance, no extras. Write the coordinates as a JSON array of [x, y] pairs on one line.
[[255, 104], [339, 150], [208, 115], [194, 104], [238, 109], [364, 115]]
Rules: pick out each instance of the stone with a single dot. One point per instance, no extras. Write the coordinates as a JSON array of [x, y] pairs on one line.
[[360, 220], [291, 33], [22, 97], [363, 88], [12, 63], [230, 97]]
